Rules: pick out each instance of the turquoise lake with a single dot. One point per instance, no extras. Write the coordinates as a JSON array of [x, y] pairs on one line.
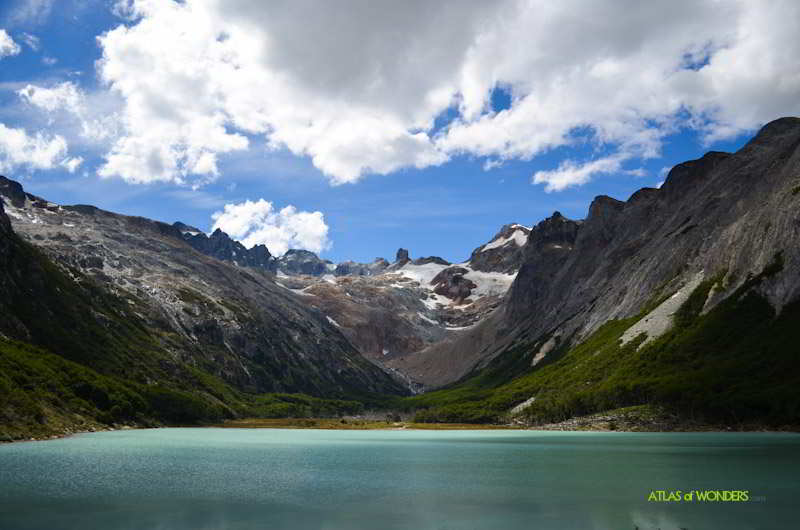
[[314, 479]]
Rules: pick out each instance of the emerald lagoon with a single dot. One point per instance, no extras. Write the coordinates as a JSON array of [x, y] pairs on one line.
[[214, 479]]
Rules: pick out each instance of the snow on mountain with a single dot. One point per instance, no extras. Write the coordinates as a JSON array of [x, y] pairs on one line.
[[518, 236]]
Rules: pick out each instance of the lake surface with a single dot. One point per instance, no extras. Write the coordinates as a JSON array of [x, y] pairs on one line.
[[204, 479]]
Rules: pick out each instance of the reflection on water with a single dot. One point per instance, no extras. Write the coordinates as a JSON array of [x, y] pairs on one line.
[[208, 479]]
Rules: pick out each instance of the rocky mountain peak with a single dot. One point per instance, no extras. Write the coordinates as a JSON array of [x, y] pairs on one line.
[[402, 256], [186, 228], [13, 190], [642, 195], [503, 253], [685, 176], [604, 207], [430, 259], [219, 245], [352, 268], [772, 131], [554, 229], [299, 261]]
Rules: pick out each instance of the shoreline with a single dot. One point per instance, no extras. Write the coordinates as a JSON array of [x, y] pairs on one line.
[[612, 421]]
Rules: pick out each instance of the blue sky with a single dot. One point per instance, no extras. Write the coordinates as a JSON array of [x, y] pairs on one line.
[[395, 145]]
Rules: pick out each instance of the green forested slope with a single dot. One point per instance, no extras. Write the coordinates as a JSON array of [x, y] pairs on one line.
[[74, 356]]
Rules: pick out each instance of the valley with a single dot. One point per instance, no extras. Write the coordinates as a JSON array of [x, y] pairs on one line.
[[685, 297]]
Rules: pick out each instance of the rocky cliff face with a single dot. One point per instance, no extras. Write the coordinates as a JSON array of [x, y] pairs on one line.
[[352, 268], [724, 215], [303, 262], [394, 310], [504, 253], [220, 246], [198, 311]]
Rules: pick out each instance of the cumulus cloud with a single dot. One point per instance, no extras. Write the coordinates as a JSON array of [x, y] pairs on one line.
[[7, 45], [65, 96], [569, 173], [357, 86], [18, 149], [258, 222], [96, 122]]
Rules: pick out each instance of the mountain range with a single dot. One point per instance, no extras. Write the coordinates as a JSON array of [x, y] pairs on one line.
[[686, 296]]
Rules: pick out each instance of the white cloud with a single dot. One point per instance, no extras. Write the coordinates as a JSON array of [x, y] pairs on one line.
[[7, 45], [96, 122], [30, 12], [638, 172], [71, 164], [570, 173], [492, 163], [356, 86], [32, 152], [258, 222], [32, 41], [64, 96]]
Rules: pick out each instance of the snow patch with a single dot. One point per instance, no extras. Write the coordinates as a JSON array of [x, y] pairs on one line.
[[519, 237], [301, 292], [436, 299], [546, 348], [12, 212], [423, 274], [659, 320], [332, 321], [426, 319], [489, 283], [522, 406]]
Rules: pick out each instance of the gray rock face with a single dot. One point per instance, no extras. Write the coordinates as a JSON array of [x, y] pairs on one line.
[[297, 261], [430, 259], [5, 222], [202, 311], [724, 213], [13, 191], [352, 268], [219, 245], [504, 253], [451, 283], [400, 309], [402, 256]]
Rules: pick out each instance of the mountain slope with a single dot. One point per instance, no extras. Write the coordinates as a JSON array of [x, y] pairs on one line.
[[718, 242], [405, 307], [129, 299]]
